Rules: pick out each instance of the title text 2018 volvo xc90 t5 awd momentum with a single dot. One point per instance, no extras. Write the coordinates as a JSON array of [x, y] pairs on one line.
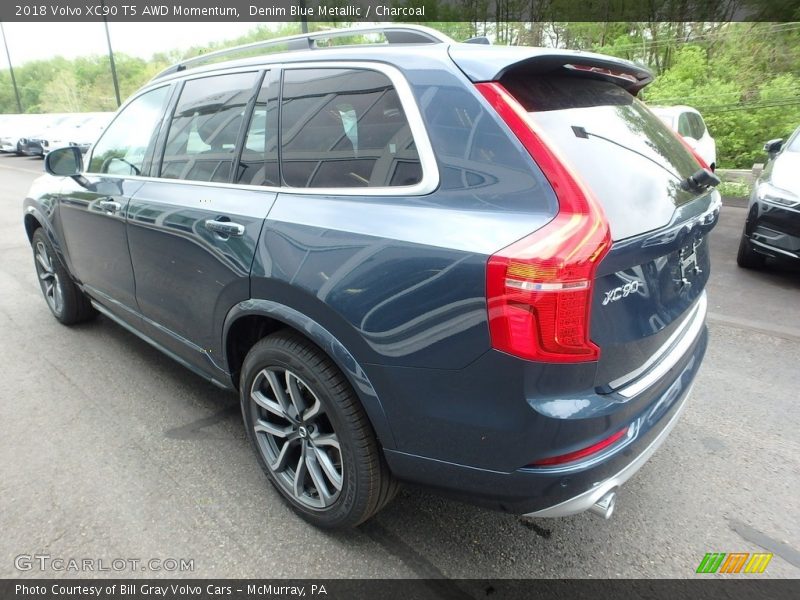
[[475, 268]]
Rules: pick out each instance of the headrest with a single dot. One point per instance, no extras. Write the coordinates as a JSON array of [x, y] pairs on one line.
[[219, 129]]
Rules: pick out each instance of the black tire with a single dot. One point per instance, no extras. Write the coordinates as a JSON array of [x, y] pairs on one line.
[[320, 409], [747, 258], [66, 301]]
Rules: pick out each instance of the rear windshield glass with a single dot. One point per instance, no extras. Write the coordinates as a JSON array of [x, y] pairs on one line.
[[620, 148]]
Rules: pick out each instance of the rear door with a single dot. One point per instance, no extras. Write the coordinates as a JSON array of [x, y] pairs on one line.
[[192, 232], [654, 276]]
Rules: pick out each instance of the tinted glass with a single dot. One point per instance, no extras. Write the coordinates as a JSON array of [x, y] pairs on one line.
[[629, 158], [128, 140], [666, 119], [698, 127], [259, 162], [201, 143], [476, 154], [685, 125], [345, 128]]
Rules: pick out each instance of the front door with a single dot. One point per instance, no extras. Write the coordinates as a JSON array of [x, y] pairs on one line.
[[92, 215]]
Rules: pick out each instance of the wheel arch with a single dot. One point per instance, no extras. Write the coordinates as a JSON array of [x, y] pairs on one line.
[[251, 320], [34, 219], [31, 224]]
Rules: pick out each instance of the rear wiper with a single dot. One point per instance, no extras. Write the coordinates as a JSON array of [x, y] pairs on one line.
[[700, 180], [696, 182]]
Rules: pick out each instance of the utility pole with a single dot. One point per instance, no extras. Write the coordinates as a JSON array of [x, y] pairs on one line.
[[111, 58], [303, 17], [10, 68]]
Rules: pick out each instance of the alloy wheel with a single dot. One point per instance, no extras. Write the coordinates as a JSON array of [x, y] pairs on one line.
[[296, 438], [48, 279]]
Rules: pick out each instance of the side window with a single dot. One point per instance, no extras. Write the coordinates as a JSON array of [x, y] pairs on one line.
[[345, 128], [684, 125], [699, 126], [201, 143], [125, 144], [259, 162]]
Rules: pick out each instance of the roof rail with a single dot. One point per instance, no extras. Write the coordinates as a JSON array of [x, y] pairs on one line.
[[394, 34]]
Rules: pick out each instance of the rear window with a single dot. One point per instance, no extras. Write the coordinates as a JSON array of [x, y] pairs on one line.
[[625, 153]]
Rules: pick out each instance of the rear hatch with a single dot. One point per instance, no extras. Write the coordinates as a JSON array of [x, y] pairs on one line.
[[649, 286]]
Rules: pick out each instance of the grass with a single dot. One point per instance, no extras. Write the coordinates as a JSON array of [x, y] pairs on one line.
[[734, 189]]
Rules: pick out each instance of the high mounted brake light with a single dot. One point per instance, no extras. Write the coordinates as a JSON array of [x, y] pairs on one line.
[[603, 71], [539, 289]]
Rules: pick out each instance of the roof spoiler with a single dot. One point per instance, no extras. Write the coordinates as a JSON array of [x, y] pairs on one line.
[[481, 63]]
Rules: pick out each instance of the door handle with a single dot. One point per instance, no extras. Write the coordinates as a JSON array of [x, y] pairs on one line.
[[225, 228], [110, 205]]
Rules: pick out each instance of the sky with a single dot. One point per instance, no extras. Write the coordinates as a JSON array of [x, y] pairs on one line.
[[32, 41]]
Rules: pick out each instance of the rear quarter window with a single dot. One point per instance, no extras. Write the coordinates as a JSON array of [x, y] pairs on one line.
[[480, 160]]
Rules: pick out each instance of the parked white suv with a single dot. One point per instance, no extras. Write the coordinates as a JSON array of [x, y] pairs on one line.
[[690, 125]]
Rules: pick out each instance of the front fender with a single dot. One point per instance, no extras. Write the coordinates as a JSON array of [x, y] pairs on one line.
[[330, 345], [41, 208]]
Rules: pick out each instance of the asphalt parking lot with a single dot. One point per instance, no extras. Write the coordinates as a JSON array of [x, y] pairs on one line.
[[111, 450]]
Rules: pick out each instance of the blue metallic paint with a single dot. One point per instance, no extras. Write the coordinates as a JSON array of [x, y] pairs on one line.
[[510, 486]]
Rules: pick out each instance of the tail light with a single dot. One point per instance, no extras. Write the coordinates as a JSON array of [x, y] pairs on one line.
[[539, 289]]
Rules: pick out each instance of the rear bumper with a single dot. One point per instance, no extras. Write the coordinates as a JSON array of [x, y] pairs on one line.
[[585, 501], [31, 148], [545, 491], [472, 434]]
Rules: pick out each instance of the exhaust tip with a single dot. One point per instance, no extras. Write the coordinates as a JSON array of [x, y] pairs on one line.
[[605, 506]]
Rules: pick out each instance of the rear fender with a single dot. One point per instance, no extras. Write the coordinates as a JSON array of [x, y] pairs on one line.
[[342, 357]]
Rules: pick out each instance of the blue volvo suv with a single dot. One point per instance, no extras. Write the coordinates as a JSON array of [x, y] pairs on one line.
[[480, 269]]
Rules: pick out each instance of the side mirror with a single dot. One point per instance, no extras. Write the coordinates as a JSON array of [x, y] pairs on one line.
[[772, 147], [64, 162]]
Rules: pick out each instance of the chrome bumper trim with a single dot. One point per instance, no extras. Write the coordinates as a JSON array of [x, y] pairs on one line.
[[663, 349], [678, 345], [587, 499]]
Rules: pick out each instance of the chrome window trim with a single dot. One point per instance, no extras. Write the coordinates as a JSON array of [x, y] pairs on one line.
[[430, 170], [677, 345]]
